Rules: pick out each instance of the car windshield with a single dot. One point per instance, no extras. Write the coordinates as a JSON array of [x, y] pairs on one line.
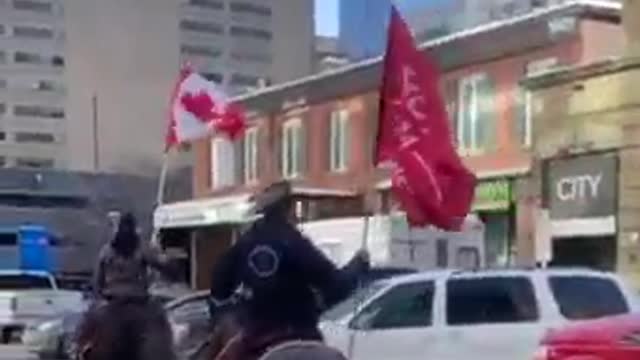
[[352, 302], [24, 282]]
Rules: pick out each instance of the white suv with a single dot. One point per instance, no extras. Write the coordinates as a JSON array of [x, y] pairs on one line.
[[450, 315]]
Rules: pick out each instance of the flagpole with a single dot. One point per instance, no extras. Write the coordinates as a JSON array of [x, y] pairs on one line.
[[162, 179]]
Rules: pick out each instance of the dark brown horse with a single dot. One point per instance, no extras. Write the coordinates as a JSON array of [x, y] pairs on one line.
[[131, 331], [227, 343]]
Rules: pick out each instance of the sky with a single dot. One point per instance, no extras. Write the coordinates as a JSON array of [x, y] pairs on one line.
[[326, 12]]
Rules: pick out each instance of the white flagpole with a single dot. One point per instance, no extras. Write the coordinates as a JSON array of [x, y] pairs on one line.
[[160, 195]]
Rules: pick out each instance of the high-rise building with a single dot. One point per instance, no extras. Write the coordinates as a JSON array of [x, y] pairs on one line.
[[85, 85], [363, 23], [363, 27]]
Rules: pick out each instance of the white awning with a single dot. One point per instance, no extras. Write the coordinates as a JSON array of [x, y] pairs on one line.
[[317, 191], [203, 212], [483, 175]]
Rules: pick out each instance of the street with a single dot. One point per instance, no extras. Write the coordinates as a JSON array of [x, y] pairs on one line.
[[14, 352]]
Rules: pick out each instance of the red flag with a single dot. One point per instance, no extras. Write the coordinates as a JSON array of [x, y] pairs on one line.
[[429, 179], [199, 109]]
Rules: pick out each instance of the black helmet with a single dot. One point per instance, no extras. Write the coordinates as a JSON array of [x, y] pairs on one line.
[[274, 198]]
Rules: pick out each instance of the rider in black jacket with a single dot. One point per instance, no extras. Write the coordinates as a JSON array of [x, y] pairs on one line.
[[279, 274]]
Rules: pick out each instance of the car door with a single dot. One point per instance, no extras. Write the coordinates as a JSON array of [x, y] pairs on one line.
[[490, 317], [397, 325]]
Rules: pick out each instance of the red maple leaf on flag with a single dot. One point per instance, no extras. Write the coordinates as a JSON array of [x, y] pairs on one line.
[[200, 105]]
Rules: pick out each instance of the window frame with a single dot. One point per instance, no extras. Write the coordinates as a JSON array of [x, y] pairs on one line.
[[250, 153], [472, 109], [380, 296], [217, 183], [292, 168], [339, 152], [535, 317]]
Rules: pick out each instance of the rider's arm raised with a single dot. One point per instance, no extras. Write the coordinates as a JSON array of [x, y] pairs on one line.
[[334, 284]]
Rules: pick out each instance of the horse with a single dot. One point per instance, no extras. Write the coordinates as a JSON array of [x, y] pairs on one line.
[[227, 335], [130, 330]]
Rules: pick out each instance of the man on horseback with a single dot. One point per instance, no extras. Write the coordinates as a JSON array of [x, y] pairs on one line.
[[278, 276], [121, 282]]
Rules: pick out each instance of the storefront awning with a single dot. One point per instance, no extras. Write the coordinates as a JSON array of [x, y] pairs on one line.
[[484, 175], [203, 212]]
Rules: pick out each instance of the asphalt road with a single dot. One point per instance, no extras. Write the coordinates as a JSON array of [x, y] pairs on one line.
[[14, 352]]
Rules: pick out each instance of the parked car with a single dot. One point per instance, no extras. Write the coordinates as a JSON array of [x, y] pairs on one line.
[[611, 338], [30, 296], [53, 338], [501, 314]]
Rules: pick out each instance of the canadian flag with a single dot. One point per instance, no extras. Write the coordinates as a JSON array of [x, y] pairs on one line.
[[199, 110]]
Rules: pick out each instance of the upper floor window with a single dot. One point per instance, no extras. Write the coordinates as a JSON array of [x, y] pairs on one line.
[[249, 8], [215, 77], [252, 57], [199, 50], [3, 108], [222, 162], [35, 163], [29, 137], [293, 148], [25, 57], [44, 7], [242, 31], [201, 27], [2, 29], [244, 80], [209, 4], [476, 116], [39, 111], [32, 32], [251, 155], [339, 140], [522, 101]]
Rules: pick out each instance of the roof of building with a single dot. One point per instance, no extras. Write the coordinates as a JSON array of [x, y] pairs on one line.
[[454, 51]]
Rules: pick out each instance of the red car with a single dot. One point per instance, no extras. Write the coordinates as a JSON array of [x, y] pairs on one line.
[[612, 338]]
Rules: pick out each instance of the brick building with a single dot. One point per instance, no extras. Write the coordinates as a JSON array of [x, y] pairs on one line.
[[319, 132]]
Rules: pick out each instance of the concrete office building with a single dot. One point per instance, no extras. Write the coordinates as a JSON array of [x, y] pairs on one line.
[[85, 85]]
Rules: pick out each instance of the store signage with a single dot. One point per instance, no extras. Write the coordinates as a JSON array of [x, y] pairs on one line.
[[493, 195], [582, 187]]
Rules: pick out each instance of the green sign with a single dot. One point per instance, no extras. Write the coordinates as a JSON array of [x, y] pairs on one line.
[[492, 195]]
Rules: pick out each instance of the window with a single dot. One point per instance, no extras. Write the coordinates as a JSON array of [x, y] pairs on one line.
[[35, 6], [32, 32], [251, 57], [34, 163], [23, 57], [200, 51], [26, 137], [404, 306], [208, 4], [3, 108], [244, 80], [242, 31], [201, 26], [48, 85], [2, 29], [490, 300], [215, 77], [3, 136], [351, 303], [251, 155], [442, 253], [522, 101], [3, 57], [3, 161], [476, 116], [339, 140], [223, 164], [38, 111], [451, 100], [583, 298], [248, 8], [292, 148], [8, 239]]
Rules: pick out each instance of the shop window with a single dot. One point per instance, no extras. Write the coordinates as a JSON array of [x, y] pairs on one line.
[[496, 238], [293, 148], [339, 140], [476, 129]]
